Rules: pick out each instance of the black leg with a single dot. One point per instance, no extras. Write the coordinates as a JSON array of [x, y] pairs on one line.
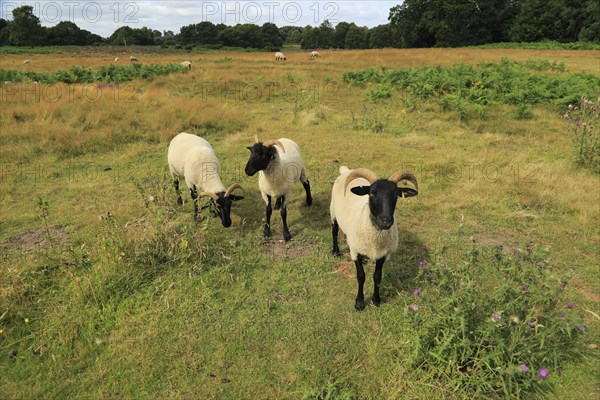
[[377, 280], [286, 232], [194, 195], [308, 195], [176, 184], [267, 230], [335, 228], [360, 277]]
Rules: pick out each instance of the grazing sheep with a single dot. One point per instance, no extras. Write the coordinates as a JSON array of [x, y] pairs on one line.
[[279, 56], [187, 64], [280, 165], [314, 54], [133, 59], [25, 62], [116, 58], [193, 158], [367, 221]]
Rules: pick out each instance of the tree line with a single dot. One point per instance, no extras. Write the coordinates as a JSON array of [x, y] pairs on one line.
[[414, 23]]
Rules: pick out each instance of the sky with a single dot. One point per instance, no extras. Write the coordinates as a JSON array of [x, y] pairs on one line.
[[104, 17]]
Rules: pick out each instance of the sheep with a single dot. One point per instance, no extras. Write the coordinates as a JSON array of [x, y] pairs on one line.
[[193, 158], [367, 221], [187, 64], [279, 56], [116, 59], [314, 54], [280, 165], [133, 59], [25, 62]]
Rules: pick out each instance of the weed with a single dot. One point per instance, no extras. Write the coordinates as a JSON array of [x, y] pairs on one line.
[[586, 136]]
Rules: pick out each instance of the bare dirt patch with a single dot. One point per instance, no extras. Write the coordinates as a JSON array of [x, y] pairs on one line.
[[346, 270], [37, 239], [296, 248]]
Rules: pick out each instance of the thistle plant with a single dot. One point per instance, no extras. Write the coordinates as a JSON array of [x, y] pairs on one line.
[[586, 136]]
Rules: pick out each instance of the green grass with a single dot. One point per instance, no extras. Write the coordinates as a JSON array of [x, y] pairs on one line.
[[127, 297]]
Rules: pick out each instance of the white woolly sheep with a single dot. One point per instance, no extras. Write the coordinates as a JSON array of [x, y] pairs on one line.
[[133, 59], [26, 62], [193, 158], [187, 64], [314, 54], [116, 58], [279, 165], [279, 56], [367, 221]]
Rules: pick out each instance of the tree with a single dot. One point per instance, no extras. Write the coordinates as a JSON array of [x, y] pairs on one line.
[[4, 32], [590, 28], [271, 38], [325, 34], [25, 28], [291, 34], [339, 35], [310, 38], [356, 38], [380, 37]]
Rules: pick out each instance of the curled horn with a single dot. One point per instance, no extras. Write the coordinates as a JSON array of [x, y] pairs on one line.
[[209, 194], [231, 189], [270, 143], [361, 173], [404, 175]]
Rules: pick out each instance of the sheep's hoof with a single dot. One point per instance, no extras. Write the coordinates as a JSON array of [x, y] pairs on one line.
[[359, 305], [266, 232], [377, 301], [287, 236], [336, 252], [308, 202], [196, 218], [179, 202]]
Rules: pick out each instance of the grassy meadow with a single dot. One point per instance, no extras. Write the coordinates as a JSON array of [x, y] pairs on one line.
[[109, 290]]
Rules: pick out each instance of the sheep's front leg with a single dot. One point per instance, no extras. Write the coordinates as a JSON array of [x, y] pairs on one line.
[[307, 190], [335, 228], [360, 277], [286, 232], [176, 184], [267, 230], [377, 280], [194, 194]]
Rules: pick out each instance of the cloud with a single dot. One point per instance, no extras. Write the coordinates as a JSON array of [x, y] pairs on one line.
[[104, 17]]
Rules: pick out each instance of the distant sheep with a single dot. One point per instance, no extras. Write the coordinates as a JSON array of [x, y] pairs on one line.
[[133, 59], [193, 158], [187, 64], [314, 54], [116, 58], [363, 205], [279, 56], [279, 165], [25, 62]]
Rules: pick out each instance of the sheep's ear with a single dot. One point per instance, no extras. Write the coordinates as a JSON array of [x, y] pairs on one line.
[[407, 192], [249, 148], [271, 151], [361, 190], [235, 197]]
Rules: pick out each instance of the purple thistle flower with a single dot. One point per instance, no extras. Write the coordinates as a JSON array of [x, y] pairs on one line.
[[531, 324], [543, 373], [524, 289], [496, 317], [415, 306], [569, 305], [581, 328], [417, 292], [562, 314], [444, 263], [422, 263], [524, 368]]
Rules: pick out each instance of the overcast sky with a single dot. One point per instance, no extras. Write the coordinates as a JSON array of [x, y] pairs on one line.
[[104, 17]]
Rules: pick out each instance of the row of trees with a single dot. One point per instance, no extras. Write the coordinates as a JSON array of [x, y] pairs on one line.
[[414, 23]]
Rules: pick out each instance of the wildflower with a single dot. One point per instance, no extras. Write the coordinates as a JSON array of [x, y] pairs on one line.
[[543, 373], [496, 317], [524, 368], [422, 263], [531, 324], [514, 319], [562, 314], [26, 320], [524, 289], [581, 328], [415, 306], [569, 305], [444, 263], [1, 331], [417, 292]]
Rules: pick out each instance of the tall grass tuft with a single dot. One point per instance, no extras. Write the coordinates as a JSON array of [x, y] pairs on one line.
[[586, 136]]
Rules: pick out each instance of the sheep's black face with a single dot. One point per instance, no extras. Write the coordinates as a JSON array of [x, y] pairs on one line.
[[260, 157], [383, 195], [223, 205]]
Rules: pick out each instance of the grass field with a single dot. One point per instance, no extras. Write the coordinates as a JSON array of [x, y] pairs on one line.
[[109, 290]]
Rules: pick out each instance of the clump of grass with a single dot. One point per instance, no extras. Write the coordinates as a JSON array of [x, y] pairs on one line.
[[586, 136], [374, 116], [491, 323]]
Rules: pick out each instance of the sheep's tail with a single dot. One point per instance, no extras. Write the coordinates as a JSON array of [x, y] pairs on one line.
[[344, 169]]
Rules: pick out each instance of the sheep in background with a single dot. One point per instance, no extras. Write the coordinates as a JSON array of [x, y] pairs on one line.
[[367, 221], [280, 165], [193, 158], [314, 54], [25, 62], [133, 59], [279, 56], [116, 58], [187, 64]]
